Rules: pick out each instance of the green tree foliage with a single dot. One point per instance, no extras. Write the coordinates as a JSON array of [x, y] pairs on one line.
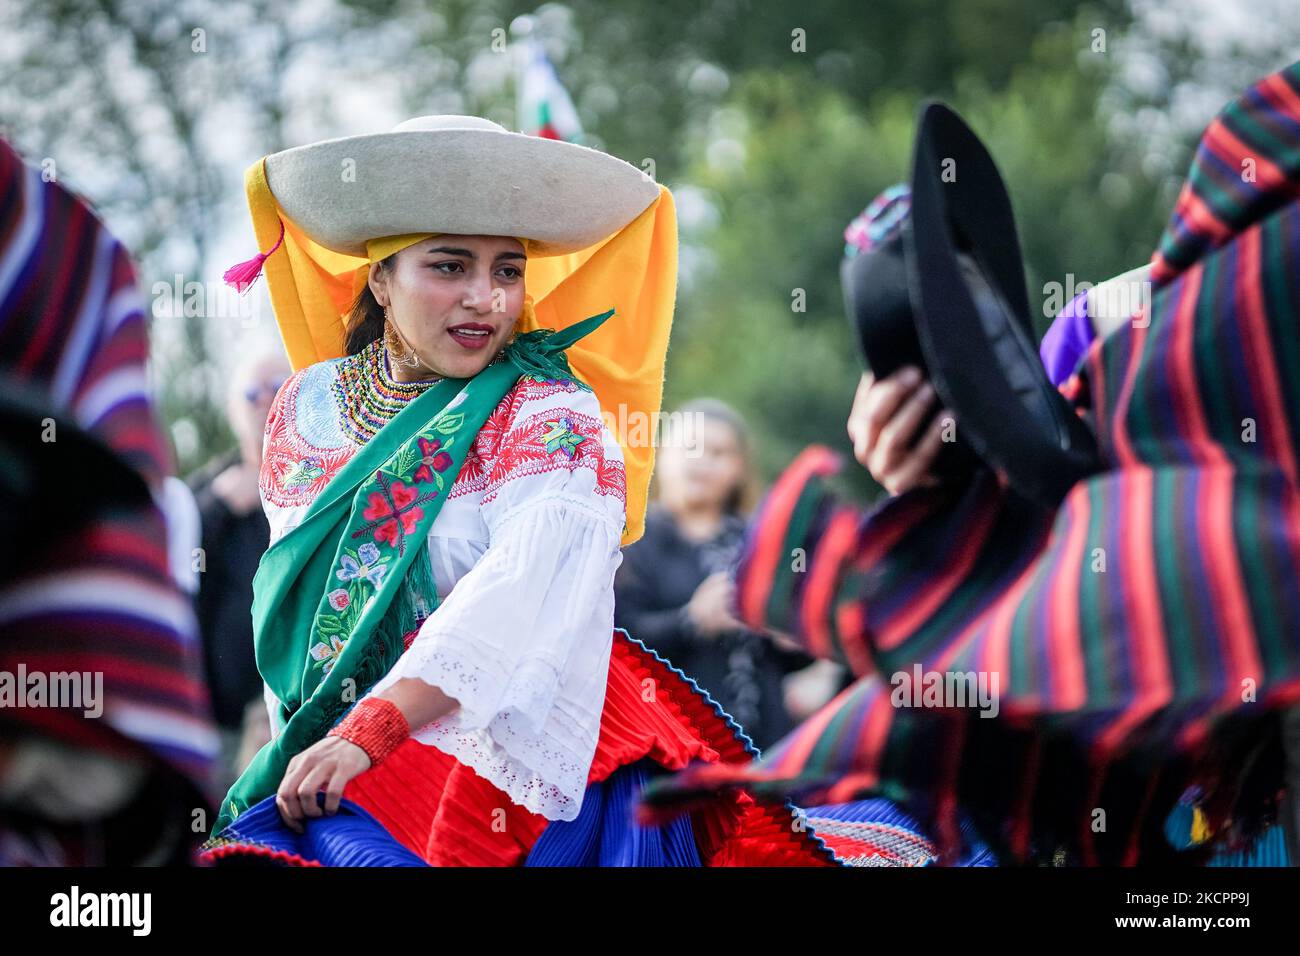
[[667, 62], [789, 161], [785, 118]]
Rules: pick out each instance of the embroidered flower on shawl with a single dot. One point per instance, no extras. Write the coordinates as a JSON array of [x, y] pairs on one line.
[[393, 512], [326, 654], [431, 459], [367, 564], [340, 599]]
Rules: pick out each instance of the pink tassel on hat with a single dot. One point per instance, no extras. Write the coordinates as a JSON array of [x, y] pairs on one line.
[[242, 275]]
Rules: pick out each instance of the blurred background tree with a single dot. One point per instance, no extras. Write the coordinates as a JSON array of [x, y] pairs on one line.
[[773, 124]]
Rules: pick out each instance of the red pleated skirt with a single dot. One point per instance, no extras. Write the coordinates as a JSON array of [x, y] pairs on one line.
[[448, 815]]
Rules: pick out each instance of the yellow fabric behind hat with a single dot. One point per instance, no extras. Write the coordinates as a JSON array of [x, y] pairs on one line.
[[378, 249], [633, 271]]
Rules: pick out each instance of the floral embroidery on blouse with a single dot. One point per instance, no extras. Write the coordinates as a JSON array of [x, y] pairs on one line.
[[538, 443], [303, 473], [296, 467], [294, 470], [562, 437]]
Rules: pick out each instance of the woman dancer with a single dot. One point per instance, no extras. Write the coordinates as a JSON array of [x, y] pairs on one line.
[[434, 617]]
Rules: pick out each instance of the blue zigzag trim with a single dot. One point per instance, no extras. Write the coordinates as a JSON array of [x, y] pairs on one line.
[[795, 811]]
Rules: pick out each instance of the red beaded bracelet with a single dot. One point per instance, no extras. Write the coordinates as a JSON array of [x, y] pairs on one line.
[[376, 725]]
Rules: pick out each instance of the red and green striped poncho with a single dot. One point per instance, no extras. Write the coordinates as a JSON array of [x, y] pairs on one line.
[[1146, 633]]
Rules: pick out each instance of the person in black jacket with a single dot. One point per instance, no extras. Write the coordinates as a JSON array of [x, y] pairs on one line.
[[674, 588]]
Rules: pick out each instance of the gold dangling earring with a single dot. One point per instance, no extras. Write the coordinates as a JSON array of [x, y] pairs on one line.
[[404, 355]]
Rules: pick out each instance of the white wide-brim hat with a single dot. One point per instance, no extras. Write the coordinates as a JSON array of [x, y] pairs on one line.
[[461, 175]]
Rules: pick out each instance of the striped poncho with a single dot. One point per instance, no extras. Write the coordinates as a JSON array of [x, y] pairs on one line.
[[1144, 635], [98, 597]]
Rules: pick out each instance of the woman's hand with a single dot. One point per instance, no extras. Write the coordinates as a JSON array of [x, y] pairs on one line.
[[326, 765], [883, 426], [710, 606]]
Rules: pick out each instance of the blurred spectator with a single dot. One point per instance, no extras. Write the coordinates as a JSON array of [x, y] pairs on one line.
[[114, 767], [674, 590], [235, 535]]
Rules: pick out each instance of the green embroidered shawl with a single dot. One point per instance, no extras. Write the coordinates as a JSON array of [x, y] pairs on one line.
[[329, 605]]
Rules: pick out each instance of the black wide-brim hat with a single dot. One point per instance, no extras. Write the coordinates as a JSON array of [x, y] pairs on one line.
[[879, 307], [966, 282], [947, 293]]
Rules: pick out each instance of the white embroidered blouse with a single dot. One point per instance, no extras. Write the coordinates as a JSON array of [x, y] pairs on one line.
[[523, 554]]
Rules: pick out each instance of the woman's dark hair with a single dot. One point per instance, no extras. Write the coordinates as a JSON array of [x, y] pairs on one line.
[[365, 321]]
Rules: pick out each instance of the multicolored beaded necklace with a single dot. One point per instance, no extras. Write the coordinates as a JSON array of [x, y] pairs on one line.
[[367, 394]]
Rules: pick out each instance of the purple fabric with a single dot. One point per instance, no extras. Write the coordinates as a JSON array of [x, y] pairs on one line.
[[1067, 339]]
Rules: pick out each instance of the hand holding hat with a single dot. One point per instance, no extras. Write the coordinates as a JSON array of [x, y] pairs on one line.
[[943, 290]]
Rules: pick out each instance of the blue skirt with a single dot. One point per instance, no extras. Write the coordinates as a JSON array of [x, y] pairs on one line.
[[605, 833]]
